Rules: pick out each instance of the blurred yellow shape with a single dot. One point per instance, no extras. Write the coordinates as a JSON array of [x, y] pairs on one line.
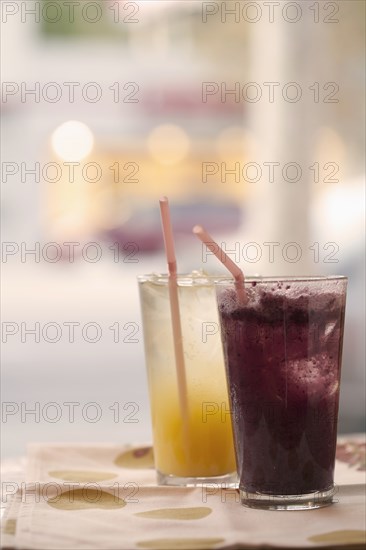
[[168, 144]]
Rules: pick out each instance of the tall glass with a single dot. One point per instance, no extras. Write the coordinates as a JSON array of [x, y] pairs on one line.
[[203, 451], [283, 351]]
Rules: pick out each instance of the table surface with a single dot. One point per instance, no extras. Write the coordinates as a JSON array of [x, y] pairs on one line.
[[176, 518]]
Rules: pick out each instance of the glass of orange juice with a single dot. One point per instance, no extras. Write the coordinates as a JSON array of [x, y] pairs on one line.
[[198, 450]]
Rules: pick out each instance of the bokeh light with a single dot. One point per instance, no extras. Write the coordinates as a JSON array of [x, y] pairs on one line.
[[168, 144], [72, 141]]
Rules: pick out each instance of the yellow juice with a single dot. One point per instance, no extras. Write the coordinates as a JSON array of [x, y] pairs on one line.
[[203, 446], [207, 449]]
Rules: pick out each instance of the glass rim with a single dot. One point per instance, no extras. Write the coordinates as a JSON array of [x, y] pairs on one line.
[[284, 279], [196, 277], [201, 278]]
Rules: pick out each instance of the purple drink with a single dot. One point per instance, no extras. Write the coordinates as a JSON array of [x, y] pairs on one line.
[[283, 355]]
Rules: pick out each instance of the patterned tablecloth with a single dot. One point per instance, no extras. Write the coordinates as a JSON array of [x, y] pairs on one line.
[[105, 497]]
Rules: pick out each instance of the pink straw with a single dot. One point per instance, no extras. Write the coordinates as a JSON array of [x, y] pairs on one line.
[[174, 308], [224, 259]]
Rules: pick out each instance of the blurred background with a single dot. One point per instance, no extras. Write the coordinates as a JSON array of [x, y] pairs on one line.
[[250, 120]]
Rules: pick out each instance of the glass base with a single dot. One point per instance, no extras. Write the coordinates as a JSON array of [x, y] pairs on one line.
[[227, 481], [308, 501]]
